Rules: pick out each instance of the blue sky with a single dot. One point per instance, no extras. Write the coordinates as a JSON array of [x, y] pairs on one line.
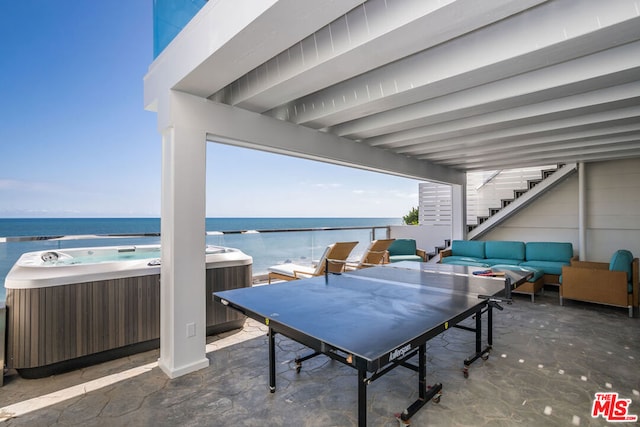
[[75, 140]]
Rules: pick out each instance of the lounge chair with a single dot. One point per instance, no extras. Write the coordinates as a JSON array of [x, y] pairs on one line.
[[375, 254], [335, 256]]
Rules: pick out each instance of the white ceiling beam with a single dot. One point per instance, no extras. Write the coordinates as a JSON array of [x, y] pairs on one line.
[[565, 148], [588, 121], [587, 155], [369, 36], [531, 142], [614, 66], [539, 37], [609, 99], [257, 31]]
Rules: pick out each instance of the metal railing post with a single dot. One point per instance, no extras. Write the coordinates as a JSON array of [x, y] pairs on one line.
[[3, 325]]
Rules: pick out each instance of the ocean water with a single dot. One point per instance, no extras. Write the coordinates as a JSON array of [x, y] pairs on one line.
[[267, 247]]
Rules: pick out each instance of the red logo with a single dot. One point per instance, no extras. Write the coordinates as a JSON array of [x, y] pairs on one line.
[[611, 408]]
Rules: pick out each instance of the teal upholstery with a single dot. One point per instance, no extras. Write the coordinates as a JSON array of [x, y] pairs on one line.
[[537, 273], [548, 256], [549, 267], [504, 252], [468, 248], [549, 251], [398, 258], [403, 250], [621, 261], [471, 262]]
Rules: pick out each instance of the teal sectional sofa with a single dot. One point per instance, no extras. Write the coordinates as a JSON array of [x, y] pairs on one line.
[[545, 259]]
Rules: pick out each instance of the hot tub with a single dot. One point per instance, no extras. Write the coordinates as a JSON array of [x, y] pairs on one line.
[[74, 307]]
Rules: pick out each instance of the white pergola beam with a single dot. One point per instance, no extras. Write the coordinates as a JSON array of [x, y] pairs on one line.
[[600, 70], [461, 133], [538, 37], [258, 30], [590, 154], [572, 149], [240, 127], [534, 144], [369, 36]]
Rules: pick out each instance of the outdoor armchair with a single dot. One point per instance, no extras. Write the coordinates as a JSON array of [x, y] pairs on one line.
[[615, 283], [406, 250]]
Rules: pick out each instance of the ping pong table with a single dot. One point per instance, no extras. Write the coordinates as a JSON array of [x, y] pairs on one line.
[[378, 318]]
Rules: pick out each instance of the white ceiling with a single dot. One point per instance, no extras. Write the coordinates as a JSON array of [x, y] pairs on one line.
[[465, 84]]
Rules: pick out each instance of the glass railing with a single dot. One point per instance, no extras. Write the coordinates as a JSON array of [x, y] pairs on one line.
[[267, 247], [169, 18]]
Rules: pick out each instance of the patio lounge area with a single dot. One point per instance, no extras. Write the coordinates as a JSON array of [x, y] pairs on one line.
[[547, 364]]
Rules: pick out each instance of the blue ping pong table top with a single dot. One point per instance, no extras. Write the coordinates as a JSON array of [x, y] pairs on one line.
[[368, 312]]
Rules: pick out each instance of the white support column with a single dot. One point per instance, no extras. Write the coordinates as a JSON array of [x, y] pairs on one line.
[[182, 290], [582, 206], [459, 211]]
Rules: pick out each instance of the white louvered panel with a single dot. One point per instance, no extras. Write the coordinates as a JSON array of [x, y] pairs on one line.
[[434, 204]]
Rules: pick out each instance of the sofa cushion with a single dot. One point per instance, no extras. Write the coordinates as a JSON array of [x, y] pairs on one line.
[[549, 251], [468, 248], [398, 258], [506, 261], [549, 267], [402, 247], [505, 250], [470, 262], [537, 273]]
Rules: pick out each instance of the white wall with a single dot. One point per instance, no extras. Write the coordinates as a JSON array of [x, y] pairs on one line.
[[612, 212], [613, 208]]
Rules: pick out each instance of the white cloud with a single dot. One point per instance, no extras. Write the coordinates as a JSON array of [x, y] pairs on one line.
[[328, 186]]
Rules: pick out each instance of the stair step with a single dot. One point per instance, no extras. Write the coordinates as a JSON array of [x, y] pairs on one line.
[[518, 193], [470, 227], [547, 173], [493, 211], [506, 202], [533, 182]]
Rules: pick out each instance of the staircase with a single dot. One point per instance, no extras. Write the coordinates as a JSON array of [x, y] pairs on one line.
[[437, 249], [492, 197], [521, 198]]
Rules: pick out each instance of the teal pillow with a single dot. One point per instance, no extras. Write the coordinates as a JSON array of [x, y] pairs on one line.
[[621, 261]]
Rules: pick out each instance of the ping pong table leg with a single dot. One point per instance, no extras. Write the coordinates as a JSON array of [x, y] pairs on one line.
[[362, 397], [489, 326], [480, 353], [272, 360], [479, 332], [425, 392]]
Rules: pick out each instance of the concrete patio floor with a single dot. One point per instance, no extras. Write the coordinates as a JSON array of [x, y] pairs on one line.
[[545, 368]]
